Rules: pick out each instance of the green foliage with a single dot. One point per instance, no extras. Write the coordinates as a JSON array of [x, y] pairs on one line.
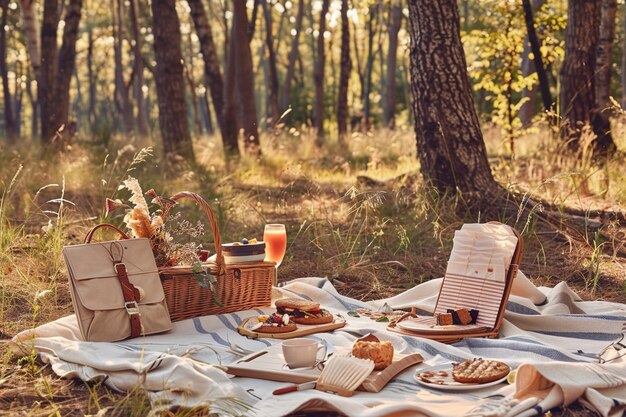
[[494, 52]]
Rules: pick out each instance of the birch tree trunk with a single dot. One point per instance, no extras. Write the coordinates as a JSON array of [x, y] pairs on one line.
[[344, 76], [293, 54], [9, 121], [319, 76], [170, 84], [389, 111], [450, 144]]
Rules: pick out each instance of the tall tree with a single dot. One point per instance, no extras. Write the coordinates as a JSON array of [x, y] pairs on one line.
[[30, 22], [450, 144], [9, 121], [293, 54], [577, 95], [138, 81], [212, 72], [623, 101], [122, 88], [244, 77], [170, 84], [603, 107], [230, 127], [538, 66], [273, 112], [344, 76], [66, 61], [369, 64], [389, 111], [319, 76], [45, 83]]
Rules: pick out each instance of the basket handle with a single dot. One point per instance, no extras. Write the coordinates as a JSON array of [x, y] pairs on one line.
[[104, 226], [219, 258]]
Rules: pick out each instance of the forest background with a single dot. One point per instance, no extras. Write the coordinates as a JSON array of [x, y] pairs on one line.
[[314, 114]]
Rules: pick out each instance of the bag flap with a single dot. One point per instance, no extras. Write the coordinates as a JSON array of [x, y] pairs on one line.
[[95, 281]]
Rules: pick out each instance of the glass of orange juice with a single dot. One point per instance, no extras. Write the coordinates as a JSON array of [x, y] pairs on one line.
[[275, 238]]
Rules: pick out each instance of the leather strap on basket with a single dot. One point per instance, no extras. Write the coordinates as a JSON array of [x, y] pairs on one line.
[[131, 296], [104, 226], [219, 258]]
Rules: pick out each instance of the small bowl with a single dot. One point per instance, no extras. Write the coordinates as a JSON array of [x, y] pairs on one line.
[[245, 258], [250, 252]]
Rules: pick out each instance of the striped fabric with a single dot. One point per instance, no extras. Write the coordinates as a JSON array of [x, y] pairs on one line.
[[558, 338]]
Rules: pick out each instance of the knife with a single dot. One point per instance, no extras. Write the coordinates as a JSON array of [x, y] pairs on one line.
[[292, 388]]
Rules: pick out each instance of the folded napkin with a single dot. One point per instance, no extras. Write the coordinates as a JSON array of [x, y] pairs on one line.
[[542, 386]]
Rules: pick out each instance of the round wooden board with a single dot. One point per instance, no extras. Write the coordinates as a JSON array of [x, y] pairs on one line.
[[302, 330]]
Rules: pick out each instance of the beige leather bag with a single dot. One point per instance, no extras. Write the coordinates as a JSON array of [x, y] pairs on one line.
[[116, 289]]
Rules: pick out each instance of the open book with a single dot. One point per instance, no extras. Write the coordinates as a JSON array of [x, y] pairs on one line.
[[479, 276]]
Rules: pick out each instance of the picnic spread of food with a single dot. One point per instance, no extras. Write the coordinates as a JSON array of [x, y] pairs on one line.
[[143, 283]]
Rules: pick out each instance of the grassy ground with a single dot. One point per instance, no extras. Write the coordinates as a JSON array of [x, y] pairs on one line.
[[364, 220]]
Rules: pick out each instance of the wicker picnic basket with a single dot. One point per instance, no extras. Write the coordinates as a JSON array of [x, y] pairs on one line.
[[239, 287]]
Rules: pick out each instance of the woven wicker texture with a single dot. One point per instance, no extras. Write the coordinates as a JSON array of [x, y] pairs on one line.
[[239, 286]]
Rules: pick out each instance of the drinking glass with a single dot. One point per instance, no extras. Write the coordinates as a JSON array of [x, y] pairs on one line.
[[275, 238]]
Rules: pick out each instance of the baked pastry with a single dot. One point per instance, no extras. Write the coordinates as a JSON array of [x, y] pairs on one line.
[[479, 371], [274, 323], [444, 319], [370, 347], [303, 311]]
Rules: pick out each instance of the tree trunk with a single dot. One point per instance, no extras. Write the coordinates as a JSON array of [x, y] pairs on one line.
[[18, 98], [138, 81], [30, 23], [577, 96], [528, 109], [252, 23], [45, 83], [9, 121], [170, 84], [291, 69], [34, 103], [122, 99], [230, 129], [344, 76], [623, 103], [369, 64], [66, 61], [244, 77], [603, 108], [319, 76], [212, 73], [91, 112], [272, 110], [450, 144], [538, 66], [389, 115]]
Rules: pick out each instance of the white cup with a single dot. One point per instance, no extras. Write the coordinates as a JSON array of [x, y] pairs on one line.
[[301, 353]]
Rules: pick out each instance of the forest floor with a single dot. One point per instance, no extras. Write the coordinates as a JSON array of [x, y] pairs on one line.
[[365, 221]]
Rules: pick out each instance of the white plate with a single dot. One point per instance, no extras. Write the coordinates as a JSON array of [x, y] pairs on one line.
[[247, 258], [451, 384]]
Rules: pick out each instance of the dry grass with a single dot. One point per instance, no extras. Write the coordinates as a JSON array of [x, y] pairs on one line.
[[371, 238]]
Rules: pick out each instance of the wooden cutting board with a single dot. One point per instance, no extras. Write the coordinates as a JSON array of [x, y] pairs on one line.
[[302, 330], [269, 364]]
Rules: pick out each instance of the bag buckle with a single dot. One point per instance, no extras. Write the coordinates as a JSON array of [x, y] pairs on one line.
[[132, 308]]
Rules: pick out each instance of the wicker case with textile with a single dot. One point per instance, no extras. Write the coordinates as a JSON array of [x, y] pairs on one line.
[[237, 287]]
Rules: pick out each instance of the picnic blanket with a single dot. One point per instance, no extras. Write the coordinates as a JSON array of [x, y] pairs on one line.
[[549, 333]]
